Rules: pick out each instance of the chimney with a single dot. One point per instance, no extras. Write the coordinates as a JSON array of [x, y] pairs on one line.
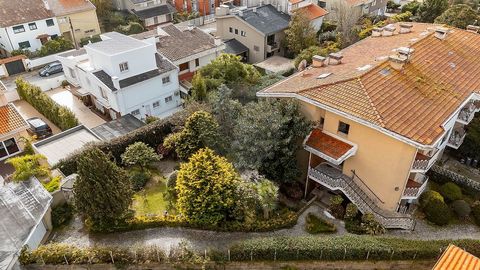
[[405, 28], [441, 33], [335, 56], [397, 61], [318, 61], [473, 28], [45, 3], [388, 30], [377, 32], [116, 82], [405, 52]]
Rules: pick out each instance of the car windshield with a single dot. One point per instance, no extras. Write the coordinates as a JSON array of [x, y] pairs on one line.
[[37, 123]]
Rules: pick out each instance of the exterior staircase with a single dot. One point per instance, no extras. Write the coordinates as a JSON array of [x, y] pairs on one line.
[[334, 179]]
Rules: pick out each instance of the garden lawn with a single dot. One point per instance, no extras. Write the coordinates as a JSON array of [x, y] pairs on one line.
[[152, 199]]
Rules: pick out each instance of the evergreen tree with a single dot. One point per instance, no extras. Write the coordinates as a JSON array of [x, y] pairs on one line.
[[429, 10], [102, 189], [458, 16], [139, 154], [300, 33], [199, 87], [207, 189]]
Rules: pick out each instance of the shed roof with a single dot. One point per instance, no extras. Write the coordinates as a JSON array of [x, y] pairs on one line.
[[266, 19]]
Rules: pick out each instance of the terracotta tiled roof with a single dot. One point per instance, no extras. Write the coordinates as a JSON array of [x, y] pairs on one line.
[[455, 258], [313, 11], [13, 12], [65, 7], [413, 103], [293, 2], [10, 119], [327, 144]]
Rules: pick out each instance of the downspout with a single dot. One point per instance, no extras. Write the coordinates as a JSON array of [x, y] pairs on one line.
[[9, 40]]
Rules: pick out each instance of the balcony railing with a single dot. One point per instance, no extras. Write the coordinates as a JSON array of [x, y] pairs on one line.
[[334, 179], [272, 47], [423, 162], [456, 138], [467, 114], [415, 189]]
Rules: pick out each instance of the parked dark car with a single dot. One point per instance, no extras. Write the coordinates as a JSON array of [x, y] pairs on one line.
[[39, 128], [52, 68]]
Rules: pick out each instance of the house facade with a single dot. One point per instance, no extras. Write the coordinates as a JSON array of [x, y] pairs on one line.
[[189, 48], [122, 75], [77, 19], [150, 12], [26, 24], [355, 8], [260, 29], [12, 127], [385, 115]]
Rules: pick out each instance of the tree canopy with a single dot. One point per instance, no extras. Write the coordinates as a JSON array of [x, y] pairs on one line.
[[207, 189], [102, 190], [431, 9], [300, 33], [458, 16], [139, 154]]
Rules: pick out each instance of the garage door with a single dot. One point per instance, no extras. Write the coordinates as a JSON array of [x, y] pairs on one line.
[[15, 67]]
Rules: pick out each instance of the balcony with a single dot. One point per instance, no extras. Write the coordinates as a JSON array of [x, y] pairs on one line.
[[467, 114], [423, 162], [272, 47], [356, 190], [329, 146], [414, 189], [456, 138]]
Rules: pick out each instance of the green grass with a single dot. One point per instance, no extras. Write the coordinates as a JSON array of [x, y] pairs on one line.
[[316, 225], [152, 199]]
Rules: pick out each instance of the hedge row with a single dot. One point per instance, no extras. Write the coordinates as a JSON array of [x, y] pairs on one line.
[[151, 134], [286, 219], [61, 116], [342, 248], [67, 254]]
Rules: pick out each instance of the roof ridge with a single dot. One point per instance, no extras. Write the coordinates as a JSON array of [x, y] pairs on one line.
[[379, 117]]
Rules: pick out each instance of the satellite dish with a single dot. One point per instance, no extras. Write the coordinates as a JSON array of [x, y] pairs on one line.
[[303, 65]]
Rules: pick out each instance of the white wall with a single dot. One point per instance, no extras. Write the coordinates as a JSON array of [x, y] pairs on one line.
[[4, 40], [31, 35]]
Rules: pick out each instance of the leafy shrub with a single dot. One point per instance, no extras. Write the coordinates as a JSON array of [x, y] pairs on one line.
[[438, 212], [351, 212], [130, 29], [428, 196], [411, 7], [451, 192], [55, 46], [172, 179], [139, 154], [53, 184], [336, 208], [354, 226], [92, 39], [314, 225], [392, 5], [139, 179], [476, 212], [371, 226], [402, 17], [61, 215], [461, 208], [61, 116], [27, 166]]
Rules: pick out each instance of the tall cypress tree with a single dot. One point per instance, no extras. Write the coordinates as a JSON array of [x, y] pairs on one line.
[[102, 190]]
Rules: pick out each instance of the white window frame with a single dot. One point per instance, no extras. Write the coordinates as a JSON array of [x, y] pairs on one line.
[[168, 99], [156, 104], [166, 80], [123, 66], [135, 112]]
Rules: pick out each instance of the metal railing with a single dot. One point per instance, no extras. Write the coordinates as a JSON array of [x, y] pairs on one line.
[[425, 164], [414, 192], [337, 181], [456, 138]]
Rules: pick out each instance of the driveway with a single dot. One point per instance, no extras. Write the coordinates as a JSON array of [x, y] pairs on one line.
[[45, 83], [64, 97], [28, 111]]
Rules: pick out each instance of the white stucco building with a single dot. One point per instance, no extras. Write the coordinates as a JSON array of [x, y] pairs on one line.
[[26, 24], [121, 75]]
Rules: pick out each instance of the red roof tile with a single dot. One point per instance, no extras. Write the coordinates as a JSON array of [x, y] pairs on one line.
[[313, 11], [327, 144], [10, 119], [455, 258]]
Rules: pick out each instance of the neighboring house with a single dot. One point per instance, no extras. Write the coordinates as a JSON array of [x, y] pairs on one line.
[[189, 48], [260, 29], [203, 7], [355, 8], [25, 24], [233, 46], [150, 12], [386, 108], [26, 219], [77, 19], [121, 75], [12, 127], [455, 258], [313, 12]]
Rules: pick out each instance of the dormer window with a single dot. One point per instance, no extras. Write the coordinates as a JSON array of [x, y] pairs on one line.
[[123, 67]]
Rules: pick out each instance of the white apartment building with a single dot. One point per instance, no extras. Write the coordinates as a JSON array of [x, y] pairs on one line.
[[26, 24], [121, 75]]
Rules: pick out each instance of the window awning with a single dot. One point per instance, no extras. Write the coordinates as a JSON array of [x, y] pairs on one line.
[[329, 147]]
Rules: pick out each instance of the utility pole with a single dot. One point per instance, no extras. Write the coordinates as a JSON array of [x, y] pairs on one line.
[[73, 33]]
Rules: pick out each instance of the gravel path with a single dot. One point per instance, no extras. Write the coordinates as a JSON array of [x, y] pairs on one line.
[[167, 237]]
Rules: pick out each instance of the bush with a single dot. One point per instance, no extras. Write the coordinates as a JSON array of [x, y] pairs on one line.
[[293, 190], [451, 192], [314, 225], [428, 196], [461, 208], [476, 212], [351, 211], [392, 5], [61, 116], [61, 215], [92, 39], [27, 166], [139, 179], [402, 17], [53, 184], [336, 208], [371, 226], [411, 7], [438, 212]]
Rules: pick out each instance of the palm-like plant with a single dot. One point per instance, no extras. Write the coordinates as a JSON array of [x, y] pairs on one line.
[[267, 193]]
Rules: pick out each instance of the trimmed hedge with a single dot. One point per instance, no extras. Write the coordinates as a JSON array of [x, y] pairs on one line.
[[151, 134], [286, 219], [341, 248], [61, 116]]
